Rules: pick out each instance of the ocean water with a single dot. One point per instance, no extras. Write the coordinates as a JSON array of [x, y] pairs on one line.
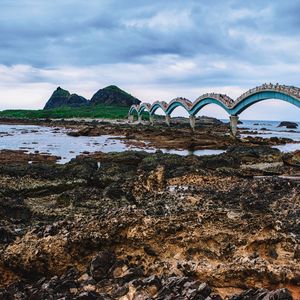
[[55, 141], [270, 128], [267, 129]]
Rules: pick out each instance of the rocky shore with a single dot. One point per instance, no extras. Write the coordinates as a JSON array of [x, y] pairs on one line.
[[208, 135], [135, 225]]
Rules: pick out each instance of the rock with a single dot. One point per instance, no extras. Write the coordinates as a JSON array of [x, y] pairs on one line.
[[6, 236], [292, 159], [152, 280], [254, 153], [114, 191], [254, 150], [287, 124], [86, 131], [185, 288], [14, 208], [204, 120], [148, 250], [88, 296], [112, 95], [101, 264], [202, 217], [263, 294], [120, 291], [156, 179], [132, 273]]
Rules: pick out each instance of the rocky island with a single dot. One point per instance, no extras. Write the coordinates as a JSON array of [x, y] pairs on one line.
[[110, 95]]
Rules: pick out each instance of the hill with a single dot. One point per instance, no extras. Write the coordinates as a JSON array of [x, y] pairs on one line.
[[112, 95], [61, 97]]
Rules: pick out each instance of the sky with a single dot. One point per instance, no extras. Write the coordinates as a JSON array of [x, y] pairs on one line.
[[155, 50]]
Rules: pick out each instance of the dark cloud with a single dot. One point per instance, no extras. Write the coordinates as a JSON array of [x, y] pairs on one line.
[[171, 43], [96, 32]]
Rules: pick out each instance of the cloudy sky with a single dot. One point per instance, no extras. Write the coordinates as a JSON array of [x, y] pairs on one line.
[[156, 50]]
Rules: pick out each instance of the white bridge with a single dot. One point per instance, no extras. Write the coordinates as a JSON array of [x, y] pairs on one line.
[[289, 94]]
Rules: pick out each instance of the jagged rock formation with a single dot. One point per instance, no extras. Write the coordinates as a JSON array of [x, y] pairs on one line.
[[114, 95], [110, 95], [61, 97], [149, 226]]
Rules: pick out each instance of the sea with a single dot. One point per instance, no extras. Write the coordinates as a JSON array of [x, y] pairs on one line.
[[55, 141]]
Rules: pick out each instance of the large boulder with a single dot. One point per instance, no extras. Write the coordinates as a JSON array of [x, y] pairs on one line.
[[112, 95], [290, 125]]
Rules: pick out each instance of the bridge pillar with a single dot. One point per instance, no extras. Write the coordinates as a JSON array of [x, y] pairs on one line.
[[151, 119], [193, 122], [233, 124], [131, 118], [140, 119], [168, 120]]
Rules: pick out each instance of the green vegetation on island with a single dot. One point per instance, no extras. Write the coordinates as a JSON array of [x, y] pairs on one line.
[[95, 111], [110, 103]]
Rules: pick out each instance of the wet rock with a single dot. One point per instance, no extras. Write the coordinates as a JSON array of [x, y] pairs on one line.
[[290, 125], [82, 132]]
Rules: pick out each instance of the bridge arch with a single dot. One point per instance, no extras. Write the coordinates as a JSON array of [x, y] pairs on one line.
[[289, 94], [179, 102], [202, 102], [133, 109], [158, 104], [251, 99]]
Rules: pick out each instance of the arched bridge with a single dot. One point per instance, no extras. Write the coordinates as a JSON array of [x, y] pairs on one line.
[[289, 94]]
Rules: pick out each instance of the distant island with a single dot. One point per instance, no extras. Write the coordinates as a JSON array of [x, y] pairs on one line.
[[110, 95], [110, 102]]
